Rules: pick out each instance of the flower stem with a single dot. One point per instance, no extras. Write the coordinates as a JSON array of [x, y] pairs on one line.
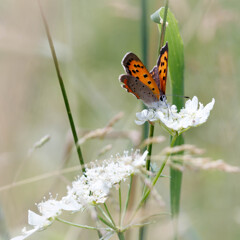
[[145, 196], [64, 93], [77, 225], [120, 203], [121, 236], [108, 213], [149, 147], [127, 200]]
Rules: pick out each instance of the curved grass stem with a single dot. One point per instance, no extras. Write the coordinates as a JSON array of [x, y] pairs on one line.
[[64, 93]]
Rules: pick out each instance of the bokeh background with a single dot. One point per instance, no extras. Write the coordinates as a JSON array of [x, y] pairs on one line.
[[91, 37]]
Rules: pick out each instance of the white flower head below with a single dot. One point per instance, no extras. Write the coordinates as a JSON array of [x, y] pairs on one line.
[[192, 115]]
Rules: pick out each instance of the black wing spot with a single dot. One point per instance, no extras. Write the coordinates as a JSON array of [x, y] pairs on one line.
[[133, 71], [165, 58], [138, 65], [162, 63], [160, 71], [130, 72], [145, 75], [164, 78], [128, 64], [135, 65], [137, 71], [137, 77], [142, 67], [149, 82], [164, 70], [153, 89]]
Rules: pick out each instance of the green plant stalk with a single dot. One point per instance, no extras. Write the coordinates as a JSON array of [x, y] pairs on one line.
[[107, 223], [158, 174], [120, 203], [145, 196], [64, 93], [121, 236], [108, 213], [127, 200], [149, 147], [175, 191], [163, 28], [142, 229], [144, 38], [77, 225], [104, 214]]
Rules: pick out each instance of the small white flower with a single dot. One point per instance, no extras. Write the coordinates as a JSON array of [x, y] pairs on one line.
[[193, 115], [49, 210], [145, 115], [91, 188]]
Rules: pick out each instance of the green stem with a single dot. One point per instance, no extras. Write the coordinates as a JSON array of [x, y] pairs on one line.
[[144, 33], [77, 225], [145, 196], [149, 147], [144, 38], [64, 93], [120, 203], [163, 27], [108, 213], [121, 236], [127, 200], [107, 223]]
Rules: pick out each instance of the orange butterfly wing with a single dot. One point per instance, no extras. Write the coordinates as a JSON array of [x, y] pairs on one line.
[[135, 68], [162, 65]]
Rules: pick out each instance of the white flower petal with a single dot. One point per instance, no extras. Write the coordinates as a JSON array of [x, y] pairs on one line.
[[35, 219], [194, 114], [26, 234]]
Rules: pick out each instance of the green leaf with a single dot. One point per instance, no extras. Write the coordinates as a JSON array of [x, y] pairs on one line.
[[176, 70]]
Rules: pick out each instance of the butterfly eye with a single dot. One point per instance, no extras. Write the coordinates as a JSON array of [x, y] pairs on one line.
[[163, 98]]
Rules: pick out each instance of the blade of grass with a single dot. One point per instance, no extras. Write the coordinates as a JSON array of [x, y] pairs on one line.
[[176, 70], [64, 93]]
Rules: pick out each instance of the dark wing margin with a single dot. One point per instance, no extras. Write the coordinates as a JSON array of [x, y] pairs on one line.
[[126, 80]]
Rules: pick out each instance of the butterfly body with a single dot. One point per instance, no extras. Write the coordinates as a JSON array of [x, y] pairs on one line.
[[147, 86]]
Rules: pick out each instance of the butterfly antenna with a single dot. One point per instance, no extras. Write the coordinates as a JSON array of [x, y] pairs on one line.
[[178, 96]]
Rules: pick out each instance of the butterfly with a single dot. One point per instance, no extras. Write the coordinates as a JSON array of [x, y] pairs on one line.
[[148, 86]]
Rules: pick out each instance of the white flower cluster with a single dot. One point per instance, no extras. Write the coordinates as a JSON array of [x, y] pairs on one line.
[[89, 189], [193, 115]]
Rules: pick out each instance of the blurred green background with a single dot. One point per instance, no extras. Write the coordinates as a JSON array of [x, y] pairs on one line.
[[91, 38]]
